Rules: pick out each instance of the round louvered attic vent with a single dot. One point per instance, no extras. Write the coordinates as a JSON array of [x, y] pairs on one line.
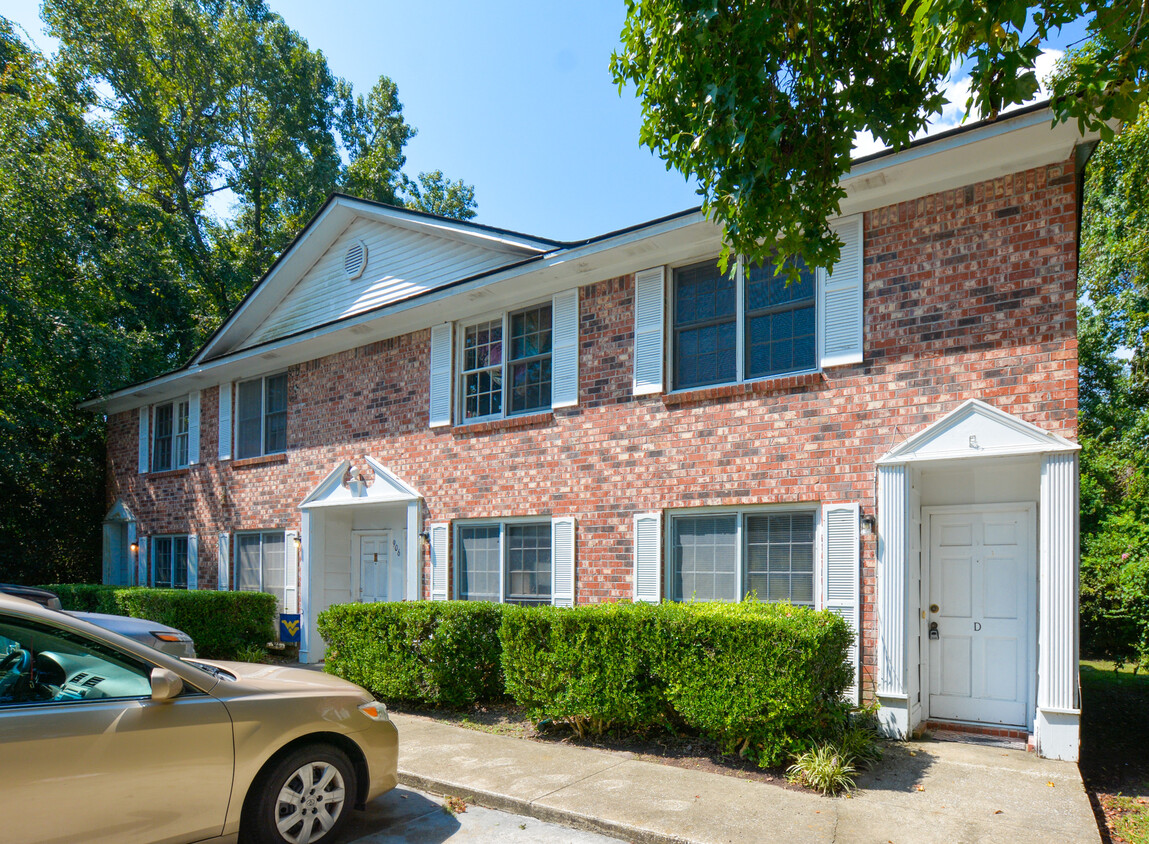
[[355, 260]]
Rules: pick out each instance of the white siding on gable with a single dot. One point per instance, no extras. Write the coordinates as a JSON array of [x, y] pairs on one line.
[[840, 298], [400, 263]]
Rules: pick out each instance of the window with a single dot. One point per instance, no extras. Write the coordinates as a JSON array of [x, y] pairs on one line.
[[170, 431], [741, 327], [261, 416], [261, 564], [722, 557], [506, 365], [508, 562], [170, 562]]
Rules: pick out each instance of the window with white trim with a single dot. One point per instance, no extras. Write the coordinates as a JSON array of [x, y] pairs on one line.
[[261, 563], [751, 324], [507, 562], [505, 366], [170, 562], [171, 425], [725, 556], [261, 416]]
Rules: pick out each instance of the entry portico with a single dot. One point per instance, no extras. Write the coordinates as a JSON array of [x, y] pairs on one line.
[[977, 578], [359, 542]]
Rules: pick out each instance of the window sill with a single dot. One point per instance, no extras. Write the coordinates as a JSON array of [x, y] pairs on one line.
[[168, 473], [763, 386], [264, 460], [526, 420]]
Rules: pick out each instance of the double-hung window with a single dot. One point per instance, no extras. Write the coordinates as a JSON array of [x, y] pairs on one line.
[[742, 326], [261, 416], [261, 564], [170, 432], [725, 556], [505, 561], [170, 562], [506, 365]]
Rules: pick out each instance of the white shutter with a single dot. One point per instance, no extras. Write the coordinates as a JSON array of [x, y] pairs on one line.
[[223, 563], [440, 410], [290, 572], [109, 569], [439, 561], [142, 561], [225, 392], [840, 298], [564, 349], [193, 428], [649, 291], [193, 561], [647, 556], [563, 561], [841, 561], [145, 416]]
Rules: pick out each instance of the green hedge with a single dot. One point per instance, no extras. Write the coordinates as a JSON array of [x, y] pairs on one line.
[[420, 651], [220, 623], [764, 680]]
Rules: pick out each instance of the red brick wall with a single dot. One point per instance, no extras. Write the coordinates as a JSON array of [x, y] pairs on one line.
[[968, 294]]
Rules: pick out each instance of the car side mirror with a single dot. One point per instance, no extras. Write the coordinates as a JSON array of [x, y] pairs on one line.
[[165, 684]]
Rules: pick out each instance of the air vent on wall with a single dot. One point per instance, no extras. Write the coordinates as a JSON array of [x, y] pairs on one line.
[[355, 259]]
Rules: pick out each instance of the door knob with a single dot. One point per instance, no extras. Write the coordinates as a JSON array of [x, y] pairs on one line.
[[934, 607]]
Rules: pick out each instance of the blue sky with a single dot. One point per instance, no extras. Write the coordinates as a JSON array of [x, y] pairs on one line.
[[512, 97]]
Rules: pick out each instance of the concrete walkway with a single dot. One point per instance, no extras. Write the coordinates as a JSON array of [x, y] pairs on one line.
[[922, 792]]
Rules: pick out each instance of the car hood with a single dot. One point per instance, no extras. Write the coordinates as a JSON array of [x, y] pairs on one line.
[[256, 677]]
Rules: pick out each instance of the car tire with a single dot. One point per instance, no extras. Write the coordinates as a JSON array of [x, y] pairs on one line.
[[302, 798]]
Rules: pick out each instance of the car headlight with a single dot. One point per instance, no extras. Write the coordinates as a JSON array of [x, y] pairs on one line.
[[374, 710]]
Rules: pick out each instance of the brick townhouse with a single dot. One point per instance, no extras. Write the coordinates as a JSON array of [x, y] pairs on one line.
[[407, 407]]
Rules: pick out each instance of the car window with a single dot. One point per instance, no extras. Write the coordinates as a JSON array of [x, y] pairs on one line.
[[41, 664]]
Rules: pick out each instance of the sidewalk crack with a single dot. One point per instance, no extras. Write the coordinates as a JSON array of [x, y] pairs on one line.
[[576, 782]]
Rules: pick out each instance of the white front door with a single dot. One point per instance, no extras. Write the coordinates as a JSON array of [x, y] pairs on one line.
[[982, 577], [380, 568]]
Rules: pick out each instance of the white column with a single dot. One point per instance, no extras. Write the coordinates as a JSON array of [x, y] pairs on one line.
[[892, 581], [412, 590], [308, 636], [1058, 710]]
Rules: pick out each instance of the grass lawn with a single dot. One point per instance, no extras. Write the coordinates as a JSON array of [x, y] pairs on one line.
[[1115, 748]]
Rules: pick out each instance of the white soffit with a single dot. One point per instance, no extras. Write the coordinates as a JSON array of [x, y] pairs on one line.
[[385, 489], [974, 430]]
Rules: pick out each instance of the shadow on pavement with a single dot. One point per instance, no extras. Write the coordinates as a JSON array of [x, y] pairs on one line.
[[901, 769], [400, 816]]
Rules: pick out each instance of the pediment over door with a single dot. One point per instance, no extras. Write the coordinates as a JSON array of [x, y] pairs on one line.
[[368, 482], [976, 429]]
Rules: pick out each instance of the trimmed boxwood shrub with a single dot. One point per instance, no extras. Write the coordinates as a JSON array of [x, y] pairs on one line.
[[220, 623], [433, 652], [764, 680], [589, 667]]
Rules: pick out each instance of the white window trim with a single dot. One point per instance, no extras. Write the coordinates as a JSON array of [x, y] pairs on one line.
[[457, 387], [740, 330], [174, 404], [152, 559], [740, 514], [263, 452], [502, 524]]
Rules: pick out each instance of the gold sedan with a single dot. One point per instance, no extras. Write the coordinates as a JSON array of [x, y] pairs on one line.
[[105, 739]]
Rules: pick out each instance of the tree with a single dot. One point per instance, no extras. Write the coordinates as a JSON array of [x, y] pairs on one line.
[[760, 101], [436, 194]]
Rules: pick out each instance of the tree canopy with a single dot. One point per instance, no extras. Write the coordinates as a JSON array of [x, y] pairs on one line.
[[150, 172], [760, 100]]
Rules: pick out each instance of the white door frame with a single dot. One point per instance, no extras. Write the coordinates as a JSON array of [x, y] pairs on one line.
[[357, 559], [1030, 510]]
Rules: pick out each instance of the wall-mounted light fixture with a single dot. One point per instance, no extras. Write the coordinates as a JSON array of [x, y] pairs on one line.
[[134, 547], [298, 542], [426, 538], [867, 526]]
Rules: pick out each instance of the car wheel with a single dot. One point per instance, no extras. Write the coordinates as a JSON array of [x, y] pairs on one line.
[[303, 798]]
